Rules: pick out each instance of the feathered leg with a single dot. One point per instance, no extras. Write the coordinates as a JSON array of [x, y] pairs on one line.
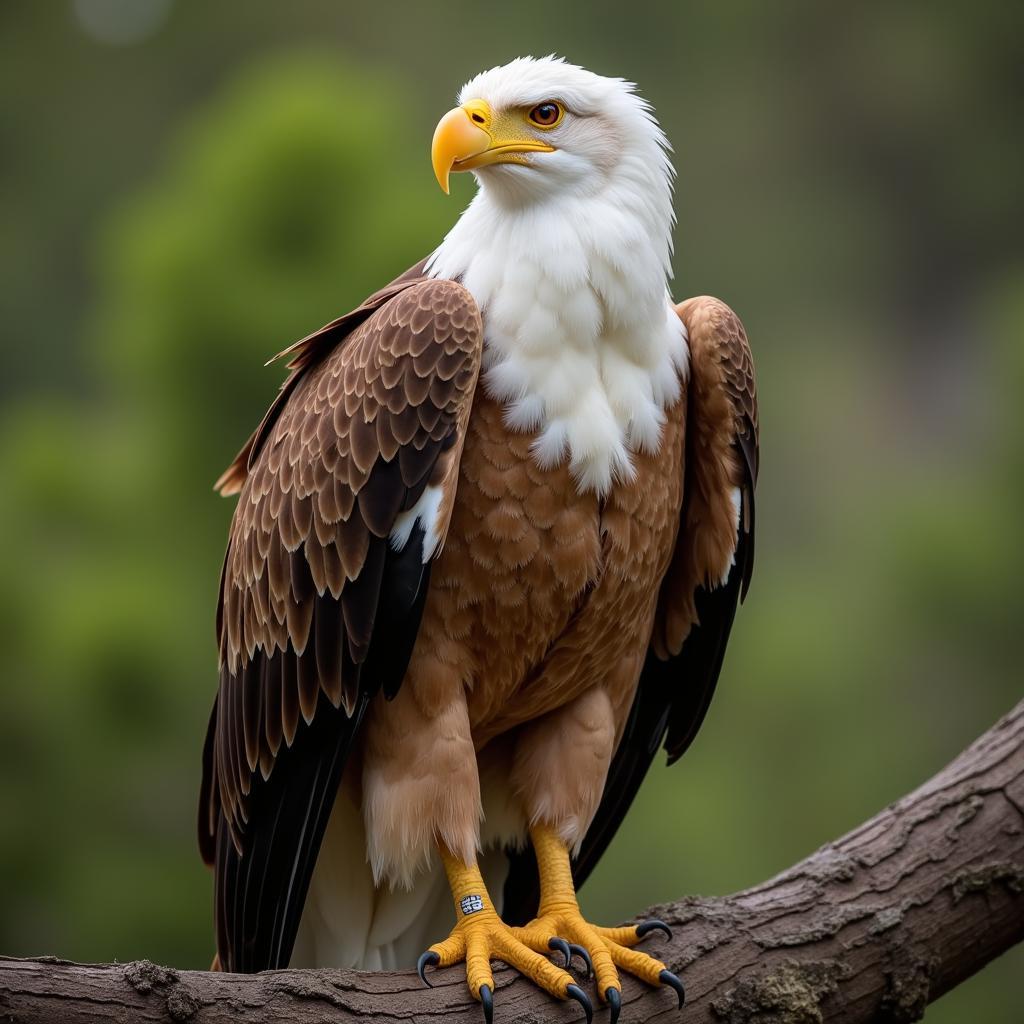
[[560, 769]]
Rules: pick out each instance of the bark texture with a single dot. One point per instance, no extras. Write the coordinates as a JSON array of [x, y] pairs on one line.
[[870, 928]]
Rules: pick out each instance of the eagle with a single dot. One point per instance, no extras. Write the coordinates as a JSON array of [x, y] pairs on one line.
[[489, 542]]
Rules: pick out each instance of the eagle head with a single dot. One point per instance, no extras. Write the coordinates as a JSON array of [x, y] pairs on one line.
[[537, 128]]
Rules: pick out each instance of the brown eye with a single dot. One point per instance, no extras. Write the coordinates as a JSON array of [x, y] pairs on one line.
[[547, 114]]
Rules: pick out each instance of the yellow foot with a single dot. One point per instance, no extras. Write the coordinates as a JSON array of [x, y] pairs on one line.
[[560, 925], [603, 950], [480, 936]]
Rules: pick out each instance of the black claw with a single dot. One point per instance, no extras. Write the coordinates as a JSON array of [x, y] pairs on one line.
[[487, 1001], [428, 959], [614, 1001], [668, 978], [575, 992], [562, 946], [584, 956], [654, 925]]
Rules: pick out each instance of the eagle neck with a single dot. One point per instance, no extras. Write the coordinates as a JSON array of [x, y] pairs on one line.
[[581, 344]]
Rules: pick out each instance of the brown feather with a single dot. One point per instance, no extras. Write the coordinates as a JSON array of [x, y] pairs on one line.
[[252, 686], [272, 685], [382, 498], [321, 482], [290, 710], [359, 602], [722, 412], [308, 678], [327, 629]]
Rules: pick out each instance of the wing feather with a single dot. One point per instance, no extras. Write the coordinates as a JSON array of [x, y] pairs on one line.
[[317, 612]]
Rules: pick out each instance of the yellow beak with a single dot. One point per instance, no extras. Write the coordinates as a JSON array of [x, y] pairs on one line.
[[468, 137]]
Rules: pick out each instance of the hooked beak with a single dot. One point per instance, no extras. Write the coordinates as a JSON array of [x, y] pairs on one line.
[[467, 137]]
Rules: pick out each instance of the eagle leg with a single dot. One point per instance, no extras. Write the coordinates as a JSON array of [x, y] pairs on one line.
[[480, 935], [559, 918]]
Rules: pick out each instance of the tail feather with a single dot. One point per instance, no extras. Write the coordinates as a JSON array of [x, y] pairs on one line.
[[347, 922]]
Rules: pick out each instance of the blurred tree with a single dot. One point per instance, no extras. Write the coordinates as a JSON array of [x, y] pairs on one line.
[[281, 207]]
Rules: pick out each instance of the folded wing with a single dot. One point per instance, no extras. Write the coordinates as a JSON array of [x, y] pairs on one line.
[[345, 492]]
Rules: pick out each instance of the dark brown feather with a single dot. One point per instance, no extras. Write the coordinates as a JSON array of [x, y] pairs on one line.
[[252, 702], [360, 601], [381, 499], [355, 432], [308, 675], [327, 626], [290, 709], [272, 702]]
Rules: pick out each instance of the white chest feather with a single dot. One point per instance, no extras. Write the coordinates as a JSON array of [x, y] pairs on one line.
[[582, 343]]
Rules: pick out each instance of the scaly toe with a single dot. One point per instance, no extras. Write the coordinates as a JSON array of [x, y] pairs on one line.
[[535, 966], [641, 965], [599, 959], [582, 940], [604, 951], [483, 937], [630, 934], [646, 968]]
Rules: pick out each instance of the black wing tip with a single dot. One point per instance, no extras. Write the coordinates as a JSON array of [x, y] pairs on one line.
[[750, 454]]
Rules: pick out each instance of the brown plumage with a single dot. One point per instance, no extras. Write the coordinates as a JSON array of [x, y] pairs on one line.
[[547, 618]]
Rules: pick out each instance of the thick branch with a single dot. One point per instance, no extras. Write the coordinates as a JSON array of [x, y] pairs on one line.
[[870, 928]]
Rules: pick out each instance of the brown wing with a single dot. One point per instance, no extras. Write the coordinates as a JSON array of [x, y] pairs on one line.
[[722, 462], [301, 355], [707, 577], [320, 603]]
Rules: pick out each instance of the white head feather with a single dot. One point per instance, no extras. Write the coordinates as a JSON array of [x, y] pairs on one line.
[[568, 255]]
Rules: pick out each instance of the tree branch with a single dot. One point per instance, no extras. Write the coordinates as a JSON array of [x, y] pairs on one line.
[[870, 928]]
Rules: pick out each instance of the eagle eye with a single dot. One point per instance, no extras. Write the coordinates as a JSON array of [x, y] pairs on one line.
[[547, 114]]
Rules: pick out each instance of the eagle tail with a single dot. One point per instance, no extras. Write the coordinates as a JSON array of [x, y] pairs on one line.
[[348, 922]]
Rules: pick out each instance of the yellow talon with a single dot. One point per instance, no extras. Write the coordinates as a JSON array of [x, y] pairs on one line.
[[480, 935], [559, 916]]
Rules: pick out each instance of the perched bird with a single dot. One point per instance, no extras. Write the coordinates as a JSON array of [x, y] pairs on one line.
[[488, 546]]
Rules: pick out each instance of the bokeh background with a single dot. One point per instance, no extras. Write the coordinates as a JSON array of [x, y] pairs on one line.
[[185, 188]]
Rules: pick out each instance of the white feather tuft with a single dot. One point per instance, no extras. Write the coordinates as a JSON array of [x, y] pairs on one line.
[[426, 512], [736, 499]]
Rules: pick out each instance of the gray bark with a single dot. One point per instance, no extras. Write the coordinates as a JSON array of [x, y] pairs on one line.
[[870, 928]]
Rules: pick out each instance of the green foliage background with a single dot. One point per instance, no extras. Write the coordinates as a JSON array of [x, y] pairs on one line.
[[177, 210]]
